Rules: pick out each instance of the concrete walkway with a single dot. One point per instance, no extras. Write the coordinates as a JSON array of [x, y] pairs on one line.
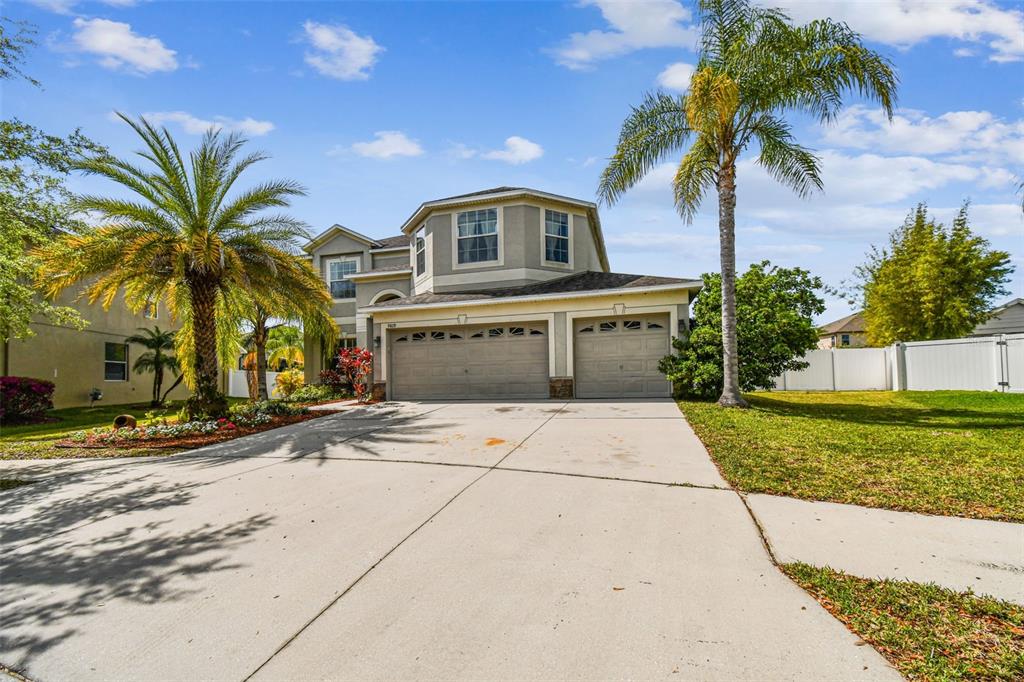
[[961, 554], [581, 540]]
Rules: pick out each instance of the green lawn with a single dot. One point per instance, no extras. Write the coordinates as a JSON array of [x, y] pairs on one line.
[[36, 441], [956, 453], [927, 632]]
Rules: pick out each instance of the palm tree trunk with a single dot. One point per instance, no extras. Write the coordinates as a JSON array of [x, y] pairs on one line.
[[207, 400], [259, 339], [727, 244]]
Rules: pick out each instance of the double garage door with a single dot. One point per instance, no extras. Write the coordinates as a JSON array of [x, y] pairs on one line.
[[492, 361], [614, 357]]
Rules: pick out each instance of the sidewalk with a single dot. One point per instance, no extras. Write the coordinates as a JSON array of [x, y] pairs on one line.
[[984, 556]]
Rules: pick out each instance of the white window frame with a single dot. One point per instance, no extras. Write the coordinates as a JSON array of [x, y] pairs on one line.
[[341, 259], [420, 237], [456, 265], [544, 241], [115, 362]]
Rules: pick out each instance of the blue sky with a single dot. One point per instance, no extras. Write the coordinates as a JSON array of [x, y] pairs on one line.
[[377, 107]]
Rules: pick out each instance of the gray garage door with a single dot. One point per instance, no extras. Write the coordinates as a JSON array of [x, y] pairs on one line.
[[487, 361], [617, 357]]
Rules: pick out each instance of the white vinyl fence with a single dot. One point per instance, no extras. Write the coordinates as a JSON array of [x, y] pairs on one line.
[[238, 386], [987, 363]]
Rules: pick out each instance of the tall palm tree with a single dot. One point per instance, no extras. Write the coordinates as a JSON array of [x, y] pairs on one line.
[[157, 359], [754, 67], [190, 238]]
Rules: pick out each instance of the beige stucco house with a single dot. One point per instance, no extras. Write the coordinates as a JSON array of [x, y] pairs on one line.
[[77, 361], [502, 293], [846, 332]]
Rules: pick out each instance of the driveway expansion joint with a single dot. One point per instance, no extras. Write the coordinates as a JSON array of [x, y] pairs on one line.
[[401, 542]]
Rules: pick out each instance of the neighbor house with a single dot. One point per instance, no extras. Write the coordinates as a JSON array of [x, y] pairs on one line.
[[503, 293], [1006, 319], [846, 332], [97, 357]]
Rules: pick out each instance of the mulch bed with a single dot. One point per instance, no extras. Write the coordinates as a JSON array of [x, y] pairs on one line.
[[200, 439]]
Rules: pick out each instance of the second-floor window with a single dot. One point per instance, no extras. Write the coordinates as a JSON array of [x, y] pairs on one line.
[[337, 277], [151, 311], [556, 236], [478, 236], [421, 255]]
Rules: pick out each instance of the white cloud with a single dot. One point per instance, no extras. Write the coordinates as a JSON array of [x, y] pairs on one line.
[[193, 125], [676, 76], [904, 23], [963, 135], [387, 144], [65, 6], [339, 52], [119, 48], [632, 26], [518, 150]]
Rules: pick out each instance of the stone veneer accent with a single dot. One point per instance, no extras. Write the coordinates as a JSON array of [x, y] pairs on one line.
[[379, 391], [560, 388]]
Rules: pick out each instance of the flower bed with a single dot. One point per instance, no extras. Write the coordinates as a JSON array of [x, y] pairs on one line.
[[183, 435]]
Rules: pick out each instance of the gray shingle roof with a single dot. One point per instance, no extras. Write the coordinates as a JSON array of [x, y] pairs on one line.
[[397, 240], [579, 282]]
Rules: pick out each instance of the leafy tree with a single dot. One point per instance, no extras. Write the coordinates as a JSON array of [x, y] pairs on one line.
[[930, 282], [157, 359], [190, 238], [754, 67], [33, 201], [774, 308]]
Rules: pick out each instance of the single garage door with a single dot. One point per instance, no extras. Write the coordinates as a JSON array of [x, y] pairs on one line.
[[487, 361], [617, 357]]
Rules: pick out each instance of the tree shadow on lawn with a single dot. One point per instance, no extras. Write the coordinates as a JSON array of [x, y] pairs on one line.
[[925, 417]]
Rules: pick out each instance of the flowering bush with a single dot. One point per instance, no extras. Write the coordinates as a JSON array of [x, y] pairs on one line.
[[150, 432], [24, 398], [268, 408], [356, 364]]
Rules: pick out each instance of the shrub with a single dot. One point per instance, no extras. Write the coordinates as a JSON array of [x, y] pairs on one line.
[[774, 311], [356, 364], [315, 393], [289, 381], [24, 398], [335, 382], [266, 408]]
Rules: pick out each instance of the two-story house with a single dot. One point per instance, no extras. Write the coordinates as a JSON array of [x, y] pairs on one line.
[[503, 293]]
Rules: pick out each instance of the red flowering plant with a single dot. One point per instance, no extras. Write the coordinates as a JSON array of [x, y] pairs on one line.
[[355, 364]]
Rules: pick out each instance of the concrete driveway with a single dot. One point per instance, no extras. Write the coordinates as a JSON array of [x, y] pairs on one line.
[[579, 540]]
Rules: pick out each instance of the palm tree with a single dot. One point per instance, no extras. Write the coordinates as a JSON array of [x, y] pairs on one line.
[[754, 67], [189, 238], [157, 359], [284, 344]]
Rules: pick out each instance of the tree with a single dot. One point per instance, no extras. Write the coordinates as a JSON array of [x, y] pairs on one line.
[[930, 282], [157, 359], [189, 238], [284, 344], [774, 311], [754, 67], [33, 201]]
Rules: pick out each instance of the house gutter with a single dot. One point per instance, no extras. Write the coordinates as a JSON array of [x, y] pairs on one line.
[[681, 286]]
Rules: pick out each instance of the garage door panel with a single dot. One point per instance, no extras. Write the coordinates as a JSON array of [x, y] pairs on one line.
[[619, 357], [481, 361]]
